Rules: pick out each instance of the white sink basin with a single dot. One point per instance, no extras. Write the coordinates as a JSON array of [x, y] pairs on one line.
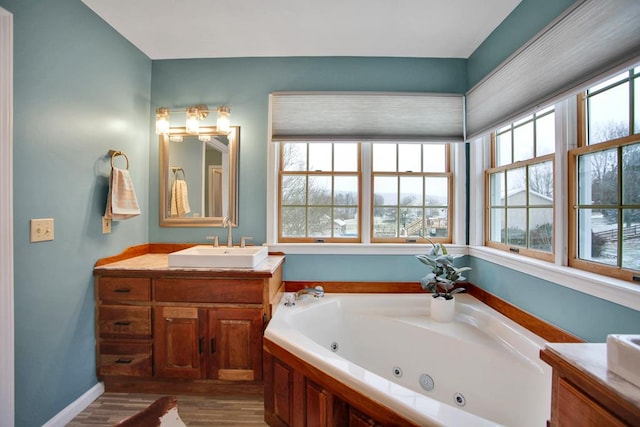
[[204, 256], [623, 357]]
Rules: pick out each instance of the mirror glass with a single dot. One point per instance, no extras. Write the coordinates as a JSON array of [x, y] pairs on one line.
[[199, 177]]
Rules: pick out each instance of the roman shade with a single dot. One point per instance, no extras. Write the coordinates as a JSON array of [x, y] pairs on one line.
[[591, 39], [362, 116]]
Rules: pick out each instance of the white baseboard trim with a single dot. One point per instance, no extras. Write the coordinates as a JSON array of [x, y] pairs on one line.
[[70, 412]]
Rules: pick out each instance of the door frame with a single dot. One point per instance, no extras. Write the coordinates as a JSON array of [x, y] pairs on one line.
[[7, 338]]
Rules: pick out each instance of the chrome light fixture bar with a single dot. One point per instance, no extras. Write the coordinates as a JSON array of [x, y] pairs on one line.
[[194, 114]]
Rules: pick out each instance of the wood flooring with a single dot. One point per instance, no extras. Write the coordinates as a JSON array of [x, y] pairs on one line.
[[197, 411]]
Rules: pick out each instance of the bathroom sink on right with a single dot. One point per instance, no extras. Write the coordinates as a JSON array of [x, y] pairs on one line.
[[623, 356]]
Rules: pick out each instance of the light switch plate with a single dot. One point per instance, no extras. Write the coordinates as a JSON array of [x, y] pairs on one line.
[[106, 225], [41, 230]]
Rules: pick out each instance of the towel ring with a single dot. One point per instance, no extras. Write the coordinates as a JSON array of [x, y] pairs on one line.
[[116, 154], [176, 169]]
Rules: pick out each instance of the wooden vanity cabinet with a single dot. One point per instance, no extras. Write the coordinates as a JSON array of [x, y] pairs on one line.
[[181, 331], [584, 393]]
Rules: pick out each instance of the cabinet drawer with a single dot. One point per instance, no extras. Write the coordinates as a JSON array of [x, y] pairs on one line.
[[122, 358], [123, 320], [247, 291], [124, 289]]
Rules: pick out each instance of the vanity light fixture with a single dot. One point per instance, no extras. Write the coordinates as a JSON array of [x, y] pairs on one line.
[[223, 119], [162, 120], [195, 114]]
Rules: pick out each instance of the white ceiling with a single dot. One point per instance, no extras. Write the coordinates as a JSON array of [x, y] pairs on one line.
[[172, 29]]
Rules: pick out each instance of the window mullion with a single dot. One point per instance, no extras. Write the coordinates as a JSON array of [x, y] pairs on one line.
[[620, 207], [366, 210], [632, 103]]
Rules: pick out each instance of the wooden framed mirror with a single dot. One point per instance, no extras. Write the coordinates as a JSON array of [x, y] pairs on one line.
[[199, 177]]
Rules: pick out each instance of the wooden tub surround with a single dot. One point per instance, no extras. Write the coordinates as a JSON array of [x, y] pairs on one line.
[[169, 330], [298, 394]]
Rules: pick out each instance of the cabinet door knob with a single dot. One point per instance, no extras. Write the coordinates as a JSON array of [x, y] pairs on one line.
[[124, 361], [122, 290], [122, 323], [213, 345]]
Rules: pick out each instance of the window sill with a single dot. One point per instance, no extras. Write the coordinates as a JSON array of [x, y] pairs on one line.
[[361, 249], [607, 288]]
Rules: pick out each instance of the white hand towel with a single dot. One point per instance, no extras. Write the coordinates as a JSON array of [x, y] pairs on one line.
[[179, 198], [121, 202]]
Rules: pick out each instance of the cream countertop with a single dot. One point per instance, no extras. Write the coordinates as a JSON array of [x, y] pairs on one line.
[[160, 262]]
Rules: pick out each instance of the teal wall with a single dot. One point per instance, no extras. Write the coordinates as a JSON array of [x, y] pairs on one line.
[[589, 318], [526, 20], [354, 268], [79, 90], [245, 84]]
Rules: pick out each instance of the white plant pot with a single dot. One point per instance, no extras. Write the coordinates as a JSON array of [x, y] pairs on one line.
[[443, 310]]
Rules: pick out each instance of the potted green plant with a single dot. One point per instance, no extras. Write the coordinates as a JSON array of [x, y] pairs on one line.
[[441, 281]]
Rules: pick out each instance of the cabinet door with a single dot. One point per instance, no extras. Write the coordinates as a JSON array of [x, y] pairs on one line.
[[179, 342], [279, 391], [235, 344], [316, 403], [358, 419], [577, 409]]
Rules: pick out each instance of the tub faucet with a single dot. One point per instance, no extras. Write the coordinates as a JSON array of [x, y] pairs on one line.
[[317, 292], [226, 222]]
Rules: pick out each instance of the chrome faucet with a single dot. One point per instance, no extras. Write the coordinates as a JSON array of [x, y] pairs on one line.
[[215, 242], [317, 292], [226, 222]]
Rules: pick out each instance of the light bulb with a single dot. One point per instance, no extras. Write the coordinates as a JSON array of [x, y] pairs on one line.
[[162, 121], [193, 121], [223, 123]]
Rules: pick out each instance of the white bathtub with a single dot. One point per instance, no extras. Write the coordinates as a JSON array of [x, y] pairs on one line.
[[384, 343]]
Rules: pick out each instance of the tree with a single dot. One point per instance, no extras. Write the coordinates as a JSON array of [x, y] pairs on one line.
[[541, 179], [307, 204]]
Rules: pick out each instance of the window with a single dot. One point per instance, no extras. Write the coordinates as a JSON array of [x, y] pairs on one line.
[[411, 192], [408, 199], [520, 186], [320, 192], [605, 179]]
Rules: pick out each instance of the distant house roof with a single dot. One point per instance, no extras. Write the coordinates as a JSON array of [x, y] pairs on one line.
[[515, 191]]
